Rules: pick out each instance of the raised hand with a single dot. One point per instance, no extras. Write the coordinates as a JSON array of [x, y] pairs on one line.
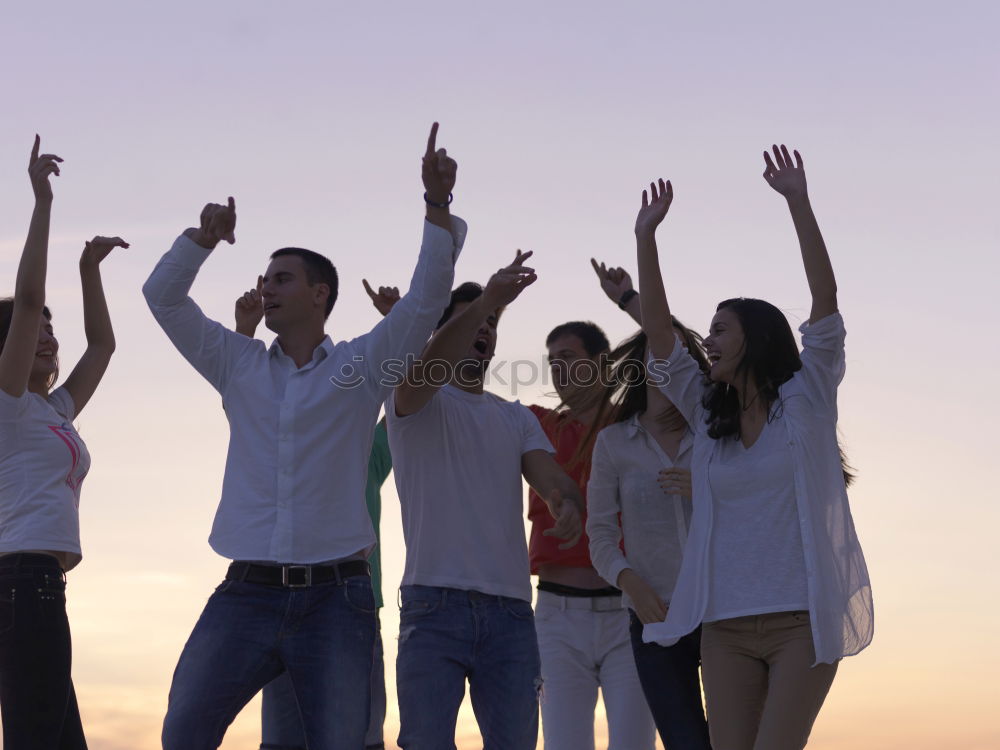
[[99, 248], [675, 481], [438, 170], [568, 525], [786, 178], [655, 204], [384, 299], [506, 284], [39, 169], [218, 223], [614, 281], [249, 310]]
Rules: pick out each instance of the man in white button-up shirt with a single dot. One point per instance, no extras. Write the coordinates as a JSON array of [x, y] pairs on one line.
[[292, 516]]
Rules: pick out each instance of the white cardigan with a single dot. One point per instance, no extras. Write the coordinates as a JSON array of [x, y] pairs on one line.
[[840, 598]]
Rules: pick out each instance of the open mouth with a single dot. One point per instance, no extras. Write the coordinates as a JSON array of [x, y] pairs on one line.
[[45, 353], [713, 357], [481, 345]]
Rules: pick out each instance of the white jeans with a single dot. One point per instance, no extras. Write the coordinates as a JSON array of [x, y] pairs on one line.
[[585, 645]]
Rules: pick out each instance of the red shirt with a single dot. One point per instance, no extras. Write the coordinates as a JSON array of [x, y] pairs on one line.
[[566, 435]]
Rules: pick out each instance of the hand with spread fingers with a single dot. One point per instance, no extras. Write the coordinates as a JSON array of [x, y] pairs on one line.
[[786, 178], [384, 299], [40, 168], [249, 310], [506, 284], [569, 525], [217, 223], [655, 204], [438, 171], [675, 481], [99, 248], [614, 281]]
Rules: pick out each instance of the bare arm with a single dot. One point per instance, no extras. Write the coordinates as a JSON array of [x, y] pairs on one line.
[[450, 344], [655, 310], [18, 354], [789, 180], [560, 493], [616, 283], [87, 374]]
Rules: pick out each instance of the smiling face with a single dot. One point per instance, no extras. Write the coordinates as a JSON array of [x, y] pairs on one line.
[[46, 362], [725, 346], [289, 299]]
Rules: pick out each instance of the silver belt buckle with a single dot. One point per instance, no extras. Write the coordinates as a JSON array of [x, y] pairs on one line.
[[307, 577]]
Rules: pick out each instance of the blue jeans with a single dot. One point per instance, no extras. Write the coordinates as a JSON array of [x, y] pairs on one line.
[[281, 724], [449, 635], [669, 678], [36, 692], [248, 634]]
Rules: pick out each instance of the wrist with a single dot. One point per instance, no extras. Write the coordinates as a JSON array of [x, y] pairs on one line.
[[436, 200], [798, 200], [43, 201], [201, 238], [627, 296]]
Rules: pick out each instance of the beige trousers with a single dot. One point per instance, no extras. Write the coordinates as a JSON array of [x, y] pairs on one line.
[[760, 690]]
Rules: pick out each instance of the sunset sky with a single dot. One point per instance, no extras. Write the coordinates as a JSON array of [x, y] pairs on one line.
[[314, 116]]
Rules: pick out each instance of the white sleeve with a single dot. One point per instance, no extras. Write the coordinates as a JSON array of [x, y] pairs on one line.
[[603, 508]]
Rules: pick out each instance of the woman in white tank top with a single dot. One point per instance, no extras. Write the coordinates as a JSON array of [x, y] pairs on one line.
[[43, 462]]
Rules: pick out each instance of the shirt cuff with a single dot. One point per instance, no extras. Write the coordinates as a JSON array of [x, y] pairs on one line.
[[188, 253], [455, 239]]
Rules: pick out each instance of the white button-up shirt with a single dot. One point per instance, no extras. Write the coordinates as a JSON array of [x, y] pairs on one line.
[[299, 438], [840, 596], [623, 483]]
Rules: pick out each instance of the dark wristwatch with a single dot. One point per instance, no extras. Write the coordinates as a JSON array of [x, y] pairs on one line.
[[627, 296]]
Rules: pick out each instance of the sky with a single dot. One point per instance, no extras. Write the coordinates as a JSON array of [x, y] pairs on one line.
[[314, 115]]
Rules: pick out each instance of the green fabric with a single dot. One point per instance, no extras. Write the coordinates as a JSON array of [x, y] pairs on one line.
[[379, 466]]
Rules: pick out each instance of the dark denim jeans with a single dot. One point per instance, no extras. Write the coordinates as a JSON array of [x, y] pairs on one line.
[[36, 693], [449, 635], [281, 724], [669, 678], [248, 634]]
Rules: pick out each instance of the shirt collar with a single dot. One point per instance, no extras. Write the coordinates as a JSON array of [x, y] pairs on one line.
[[633, 428], [321, 352]]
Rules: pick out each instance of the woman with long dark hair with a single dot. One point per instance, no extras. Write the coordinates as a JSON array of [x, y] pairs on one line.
[[640, 492], [43, 461], [772, 570]]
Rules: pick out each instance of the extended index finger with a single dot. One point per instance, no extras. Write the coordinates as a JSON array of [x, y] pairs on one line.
[[34, 148], [371, 292], [432, 140]]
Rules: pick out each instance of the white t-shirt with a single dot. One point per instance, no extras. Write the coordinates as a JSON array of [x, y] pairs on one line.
[[757, 561], [457, 464], [42, 464]]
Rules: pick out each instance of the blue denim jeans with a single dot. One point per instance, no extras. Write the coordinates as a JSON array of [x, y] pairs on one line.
[[248, 634], [669, 678], [281, 724], [36, 693], [448, 636]]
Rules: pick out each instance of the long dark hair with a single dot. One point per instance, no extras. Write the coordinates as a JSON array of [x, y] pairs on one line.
[[7, 316], [629, 370], [770, 359]]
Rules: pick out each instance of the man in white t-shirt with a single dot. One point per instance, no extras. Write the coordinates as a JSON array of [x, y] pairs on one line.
[[459, 454]]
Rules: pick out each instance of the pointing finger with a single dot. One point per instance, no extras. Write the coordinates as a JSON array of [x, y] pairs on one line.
[[368, 288], [432, 141], [34, 149]]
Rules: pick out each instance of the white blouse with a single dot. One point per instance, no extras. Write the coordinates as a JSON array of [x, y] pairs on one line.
[[840, 598]]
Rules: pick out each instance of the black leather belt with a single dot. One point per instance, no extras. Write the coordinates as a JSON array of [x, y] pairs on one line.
[[296, 576]]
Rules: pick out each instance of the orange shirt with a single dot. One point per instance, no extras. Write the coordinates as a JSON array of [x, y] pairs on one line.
[[565, 434]]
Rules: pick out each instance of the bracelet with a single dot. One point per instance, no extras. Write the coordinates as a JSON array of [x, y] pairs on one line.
[[627, 296], [429, 202]]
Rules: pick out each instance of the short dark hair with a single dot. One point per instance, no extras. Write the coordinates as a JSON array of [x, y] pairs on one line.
[[319, 270], [590, 334], [467, 292]]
